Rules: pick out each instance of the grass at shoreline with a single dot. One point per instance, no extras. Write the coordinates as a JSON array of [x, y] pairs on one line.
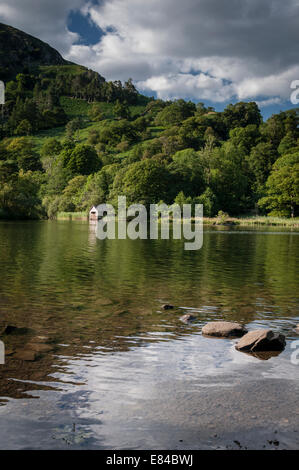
[[72, 216], [241, 221], [254, 220]]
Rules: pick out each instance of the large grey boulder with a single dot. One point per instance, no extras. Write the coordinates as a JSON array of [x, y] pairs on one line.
[[261, 340], [224, 329]]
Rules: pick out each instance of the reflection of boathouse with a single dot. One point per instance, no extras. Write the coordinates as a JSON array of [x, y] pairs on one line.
[[93, 213]]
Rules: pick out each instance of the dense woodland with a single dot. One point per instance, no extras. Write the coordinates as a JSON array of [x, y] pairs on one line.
[[70, 140]]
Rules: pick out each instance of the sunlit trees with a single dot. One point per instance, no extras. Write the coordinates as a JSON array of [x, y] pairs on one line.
[[81, 160], [282, 186], [145, 182]]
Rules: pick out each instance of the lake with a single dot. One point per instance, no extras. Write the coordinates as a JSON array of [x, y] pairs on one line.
[[98, 364]]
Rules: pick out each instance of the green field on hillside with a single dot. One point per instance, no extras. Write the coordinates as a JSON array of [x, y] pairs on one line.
[[75, 108]]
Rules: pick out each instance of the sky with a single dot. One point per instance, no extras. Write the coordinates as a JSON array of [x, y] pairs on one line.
[[215, 51]]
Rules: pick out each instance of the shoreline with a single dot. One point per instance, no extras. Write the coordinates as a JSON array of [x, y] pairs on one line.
[[214, 221]]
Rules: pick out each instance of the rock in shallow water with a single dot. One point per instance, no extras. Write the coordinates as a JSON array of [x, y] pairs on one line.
[[26, 355], [224, 329], [39, 347], [261, 340], [167, 307], [14, 330], [187, 318]]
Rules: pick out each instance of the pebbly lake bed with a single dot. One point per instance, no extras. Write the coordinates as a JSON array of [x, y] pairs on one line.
[[96, 363]]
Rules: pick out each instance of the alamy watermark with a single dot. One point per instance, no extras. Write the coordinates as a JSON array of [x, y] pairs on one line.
[[295, 354], [295, 94], [2, 353], [2, 92], [147, 225]]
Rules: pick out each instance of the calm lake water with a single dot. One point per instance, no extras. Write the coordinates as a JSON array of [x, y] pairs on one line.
[[115, 371]]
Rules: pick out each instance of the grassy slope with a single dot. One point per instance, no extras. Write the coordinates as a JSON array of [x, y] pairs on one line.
[[75, 108], [70, 69]]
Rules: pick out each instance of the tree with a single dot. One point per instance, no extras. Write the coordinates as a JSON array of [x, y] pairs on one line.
[[283, 187], [181, 199], [23, 150], [8, 171], [228, 179], [98, 185], [175, 113], [71, 197], [82, 160], [260, 162], [19, 198], [144, 182], [116, 131], [244, 138], [121, 110], [72, 127], [242, 114], [24, 128], [209, 201], [95, 112], [93, 137], [287, 143], [51, 147]]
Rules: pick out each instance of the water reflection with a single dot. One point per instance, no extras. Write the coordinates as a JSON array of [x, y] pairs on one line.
[[100, 353]]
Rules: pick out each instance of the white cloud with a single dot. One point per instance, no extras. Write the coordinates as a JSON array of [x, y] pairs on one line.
[[43, 19], [202, 49], [200, 86]]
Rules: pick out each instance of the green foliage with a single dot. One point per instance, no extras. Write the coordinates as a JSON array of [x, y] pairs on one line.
[[175, 113], [22, 150], [113, 132], [241, 115], [121, 110], [181, 199], [144, 182], [81, 160], [72, 127], [19, 196], [110, 140], [95, 112], [24, 128], [51, 147], [209, 201], [260, 162], [283, 187], [287, 143], [71, 197], [222, 218]]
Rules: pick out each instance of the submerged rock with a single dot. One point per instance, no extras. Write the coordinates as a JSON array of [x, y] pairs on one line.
[[224, 329], [167, 307], [40, 339], [187, 318], [15, 330], [39, 347], [26, 355], [261, 340], [9, 351], [263, 355]]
